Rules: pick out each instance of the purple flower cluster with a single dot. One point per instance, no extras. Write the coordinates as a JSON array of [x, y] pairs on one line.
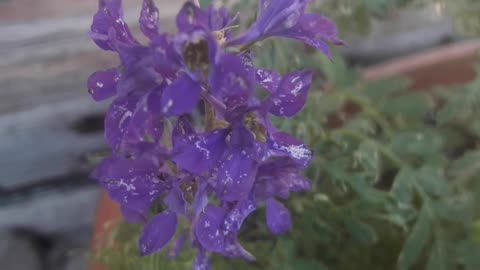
[[215, 173]]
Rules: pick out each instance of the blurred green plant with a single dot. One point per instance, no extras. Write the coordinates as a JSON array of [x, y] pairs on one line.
[[396, 182], [396, 174]]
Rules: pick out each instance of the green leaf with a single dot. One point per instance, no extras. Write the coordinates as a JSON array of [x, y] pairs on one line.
[[402, 189], [458, 208], [438, 259], [362, 232], [422, 143], [410, 106], [416, 241], [384, 88], [476, 230], [365, 190], [432, 180], [466, 167], [468, 254], [368, 158], [307, 265]]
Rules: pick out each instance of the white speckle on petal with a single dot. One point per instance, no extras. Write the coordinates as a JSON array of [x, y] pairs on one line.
[[168, 106], [126, 115], [202, 149], [99, 84], [297, 89]]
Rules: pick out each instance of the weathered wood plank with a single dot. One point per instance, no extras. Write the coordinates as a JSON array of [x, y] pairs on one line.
[[41, 143], [44, 65]]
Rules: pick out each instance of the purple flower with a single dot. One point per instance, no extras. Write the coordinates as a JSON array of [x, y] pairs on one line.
[[149, 19], [278, 217], [214, 172], [158, 232], [109, 30], [133, 183], [278, 178], [289, 95], [217, 229], [287, 18]]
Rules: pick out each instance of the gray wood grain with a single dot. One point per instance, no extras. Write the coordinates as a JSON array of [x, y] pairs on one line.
[[44, 65]]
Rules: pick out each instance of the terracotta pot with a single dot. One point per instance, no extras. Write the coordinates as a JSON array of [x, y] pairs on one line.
[[442, 66]]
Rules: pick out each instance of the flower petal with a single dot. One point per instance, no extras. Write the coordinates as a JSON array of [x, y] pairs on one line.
[[201, 198], [201, 153], [278, 177], [132, 216], [278, 217], [209, 229], [229, 77], [275, 16], [236, 176], [191, 16], [118, 118], [291, 94], [201, 261], [177, 246], [130, 182], [268, 79], [218, 19], [144, 125], [157, 233], [180, 97], [175, 201], [181, 132], [103, 84], [108, 29], [236, 216], [149, 19], [282, 144], [314, 30]]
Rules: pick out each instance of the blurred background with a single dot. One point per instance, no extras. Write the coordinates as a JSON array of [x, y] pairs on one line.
[[50, 129]]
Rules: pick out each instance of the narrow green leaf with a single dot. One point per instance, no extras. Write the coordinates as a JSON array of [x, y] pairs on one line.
[[416, 241], [438, 259], [402, 186]]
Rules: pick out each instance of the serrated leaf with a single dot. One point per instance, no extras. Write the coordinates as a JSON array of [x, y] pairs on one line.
[[416, 241]]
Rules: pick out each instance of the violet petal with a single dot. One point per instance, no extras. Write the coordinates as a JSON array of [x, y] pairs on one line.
[[278, 217], [157, 233]]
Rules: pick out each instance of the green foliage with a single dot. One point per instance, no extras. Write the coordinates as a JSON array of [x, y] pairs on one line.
[[396, 182], [396, 174]]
